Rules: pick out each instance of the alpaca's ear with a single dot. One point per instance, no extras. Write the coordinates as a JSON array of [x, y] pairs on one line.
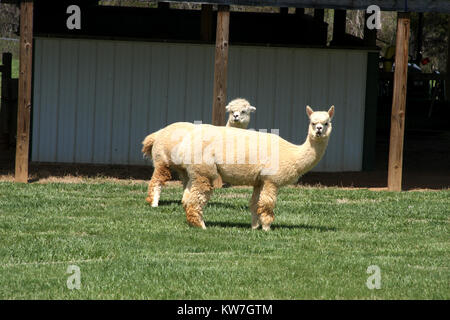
[[252, 109], [227, 108], [331, 112], [309, 111]]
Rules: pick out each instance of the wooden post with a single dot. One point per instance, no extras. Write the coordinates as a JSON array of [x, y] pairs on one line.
[[447, 79], [220, 71], [319, 14], [5, 69], [339, 24], [419, 39], [163, 5], [284, 10], [300, 11], [221, 66], [206, 22], [370, 36], [24, 103], [399, 103]]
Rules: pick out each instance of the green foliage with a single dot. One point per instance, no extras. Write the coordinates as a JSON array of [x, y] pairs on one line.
[[435, 40], [322, 242], [435, 37], [9, 24]]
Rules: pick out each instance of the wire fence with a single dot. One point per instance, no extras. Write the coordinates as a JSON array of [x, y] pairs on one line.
[[10, 39]]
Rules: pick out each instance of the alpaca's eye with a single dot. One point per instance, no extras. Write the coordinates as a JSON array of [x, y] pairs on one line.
[[243, 112], [326, 123]]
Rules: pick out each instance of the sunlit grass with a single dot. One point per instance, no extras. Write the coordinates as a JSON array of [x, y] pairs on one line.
[[322, 242]]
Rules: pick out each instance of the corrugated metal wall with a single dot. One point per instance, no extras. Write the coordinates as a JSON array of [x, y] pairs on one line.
[[95, 101]]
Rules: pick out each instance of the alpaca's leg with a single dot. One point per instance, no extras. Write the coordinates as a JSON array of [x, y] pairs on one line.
[[254, 206], [266, 204], [160, 176], [183, 177], [195, 197], [185, 198], [184, 180]]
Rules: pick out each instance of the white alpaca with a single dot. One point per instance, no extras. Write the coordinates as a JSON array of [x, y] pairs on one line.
[[239, 157], [239, 117], [239, 113]]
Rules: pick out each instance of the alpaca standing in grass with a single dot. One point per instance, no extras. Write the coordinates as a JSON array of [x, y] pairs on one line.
[[240, 157], [239, 117]]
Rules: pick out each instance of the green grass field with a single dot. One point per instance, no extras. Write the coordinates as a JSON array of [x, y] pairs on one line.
[[322, 242]]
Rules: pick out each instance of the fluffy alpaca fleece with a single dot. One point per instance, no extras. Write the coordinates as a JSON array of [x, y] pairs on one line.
[[239, 113], [239, 117], [240, 157]]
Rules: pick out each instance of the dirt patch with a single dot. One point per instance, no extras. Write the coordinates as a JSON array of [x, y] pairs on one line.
[[350, 180], [373, 180], [377, 180]]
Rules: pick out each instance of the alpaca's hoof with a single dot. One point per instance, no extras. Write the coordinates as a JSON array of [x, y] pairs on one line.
[[255, 222], [255, 226], [197, 224], [151, 202], [266, 228]]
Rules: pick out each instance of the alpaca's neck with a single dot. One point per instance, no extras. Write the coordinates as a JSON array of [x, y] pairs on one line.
[[310, 153], [240, 125]]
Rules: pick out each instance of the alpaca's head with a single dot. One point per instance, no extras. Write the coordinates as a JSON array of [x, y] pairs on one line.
[[319, 123], [239, 113]]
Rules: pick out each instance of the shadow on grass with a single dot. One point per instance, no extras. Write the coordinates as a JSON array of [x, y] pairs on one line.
[[223, 224], [218, 204], [168, 202], [212, 204]]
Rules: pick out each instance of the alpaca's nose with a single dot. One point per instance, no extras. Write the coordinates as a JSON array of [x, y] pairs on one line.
[[236, 116]]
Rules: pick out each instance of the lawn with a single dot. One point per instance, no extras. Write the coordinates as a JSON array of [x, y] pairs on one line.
[[322, 242]]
